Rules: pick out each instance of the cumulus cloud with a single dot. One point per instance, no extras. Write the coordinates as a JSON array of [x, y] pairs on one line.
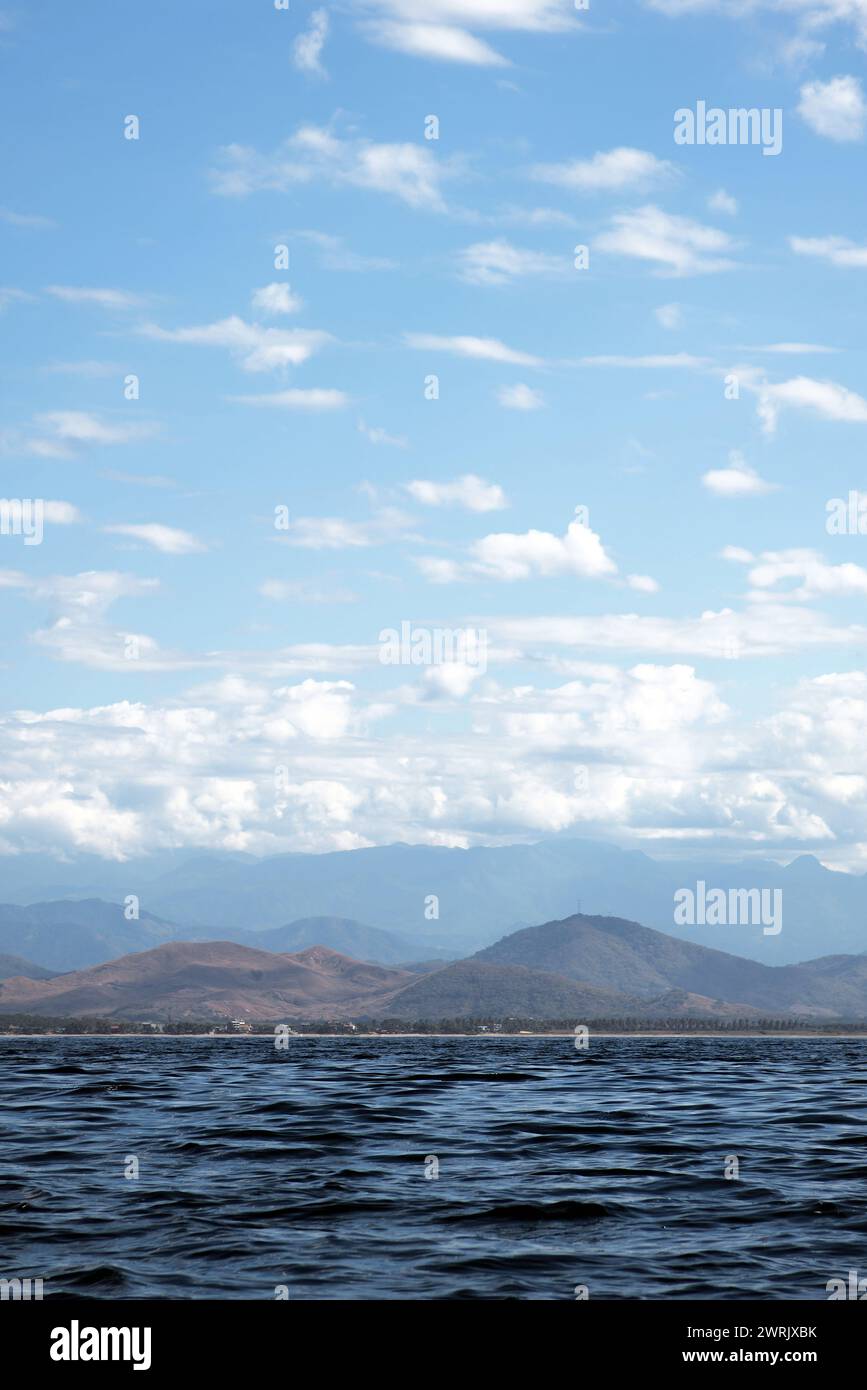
[[276, 298], [680, 245], [469, 491], [258, 349], [499, 262], [814, 577], [607, 171], [835, 109], [836, 250], [824, 398], [409, 172], [520, 397], [738, 480], [531, 554]]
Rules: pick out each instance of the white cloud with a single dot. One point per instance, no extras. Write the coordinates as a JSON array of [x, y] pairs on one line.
[[442, 41], [642, 583], [680, 245], [835, 109], [765, 629], [59, 432], [298, 398], [817, 579], [409, 172], [669, 315], [61, 513], [9, 295], [738, 480], [335, 255], [335, 533], [608, 171], [304, 591], [484, 349], [442, 29], [469, 491], [168, 539], [259, 349], [677, 360], [376, 435], [276, 298], [838, 250], [520, 397], [104, 299], [723, 202], [509, 556], [825, 398], [55, 513], [32, 220], [499, 262], [794, 349], [308, 46]]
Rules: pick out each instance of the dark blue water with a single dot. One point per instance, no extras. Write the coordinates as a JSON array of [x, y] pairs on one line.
[[557, 1168]]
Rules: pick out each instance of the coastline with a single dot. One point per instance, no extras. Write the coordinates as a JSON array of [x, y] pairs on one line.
[[482, 1037]]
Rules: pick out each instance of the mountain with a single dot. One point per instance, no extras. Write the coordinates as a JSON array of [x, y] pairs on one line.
[[70, 935], [213, 979], [339, 933], [581, 967], [14, 965], [481, 892], [474, 989], [614, 954]]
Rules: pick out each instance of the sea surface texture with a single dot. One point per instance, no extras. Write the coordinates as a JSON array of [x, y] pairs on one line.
[[429, 1168]]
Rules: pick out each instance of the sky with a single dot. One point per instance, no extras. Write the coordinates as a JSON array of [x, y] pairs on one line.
[[319, 321]]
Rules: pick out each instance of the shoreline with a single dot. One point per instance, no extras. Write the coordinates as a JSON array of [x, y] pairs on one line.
[[482, 1037]]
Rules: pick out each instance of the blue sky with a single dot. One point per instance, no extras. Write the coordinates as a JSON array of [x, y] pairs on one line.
[[686, 670]]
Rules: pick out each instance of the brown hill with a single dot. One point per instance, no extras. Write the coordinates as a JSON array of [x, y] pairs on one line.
[[611, 953], [473, 989], [212, 979]]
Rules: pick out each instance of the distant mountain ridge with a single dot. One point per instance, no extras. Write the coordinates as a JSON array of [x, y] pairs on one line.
[[15, 965], [71, 935], [582, 967], [481, 892]]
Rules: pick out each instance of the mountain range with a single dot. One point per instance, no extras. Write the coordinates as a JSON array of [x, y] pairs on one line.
[[580, 967], [477, 894]]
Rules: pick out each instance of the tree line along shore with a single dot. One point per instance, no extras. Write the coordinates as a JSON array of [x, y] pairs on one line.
[[33, 1024]]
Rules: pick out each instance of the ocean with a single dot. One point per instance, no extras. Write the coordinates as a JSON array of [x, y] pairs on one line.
[[433, 1168]]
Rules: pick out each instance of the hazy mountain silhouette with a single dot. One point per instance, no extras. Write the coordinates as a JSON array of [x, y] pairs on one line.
[[481, 892], [581, 967]]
